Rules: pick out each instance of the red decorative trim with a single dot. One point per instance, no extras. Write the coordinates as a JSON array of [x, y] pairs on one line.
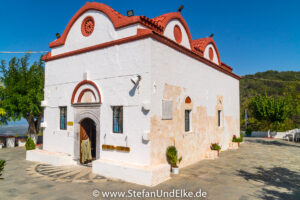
[[188, 100], [211, 53], [177, 34], [82, 93], [87, 26], [156, 24], [164, 19], [46, 56], [141, 34], [83, 83], [116, 18], [228, 68], [200, 45]]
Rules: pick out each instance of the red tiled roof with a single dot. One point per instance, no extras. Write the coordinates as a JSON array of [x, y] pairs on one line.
[[201, 43], [116, 18], [156, 24]]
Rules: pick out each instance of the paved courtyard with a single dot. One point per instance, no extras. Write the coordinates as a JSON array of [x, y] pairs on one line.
[[260, 169]]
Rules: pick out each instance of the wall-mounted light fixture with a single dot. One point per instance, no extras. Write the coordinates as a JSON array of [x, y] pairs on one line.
[[136, 79], [130, 13]]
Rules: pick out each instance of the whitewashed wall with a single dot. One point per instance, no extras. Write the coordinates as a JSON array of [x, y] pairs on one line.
[[111, 69], [202, 82]]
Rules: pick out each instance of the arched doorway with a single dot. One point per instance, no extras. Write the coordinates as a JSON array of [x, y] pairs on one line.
[[87, 140]]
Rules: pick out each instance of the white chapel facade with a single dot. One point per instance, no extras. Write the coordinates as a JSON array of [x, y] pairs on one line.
[[131, 87]]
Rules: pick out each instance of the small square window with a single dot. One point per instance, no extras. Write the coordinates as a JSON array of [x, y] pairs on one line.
[[63, 118], [117, 119], [187, 120]]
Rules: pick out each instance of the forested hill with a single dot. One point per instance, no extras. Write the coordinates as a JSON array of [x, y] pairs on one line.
[[272, 83]]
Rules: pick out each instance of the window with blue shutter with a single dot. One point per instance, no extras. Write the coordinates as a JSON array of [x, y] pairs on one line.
[[63, 118], [117, 119]]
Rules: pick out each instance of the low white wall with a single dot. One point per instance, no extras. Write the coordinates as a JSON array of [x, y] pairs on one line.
[[279, 135]]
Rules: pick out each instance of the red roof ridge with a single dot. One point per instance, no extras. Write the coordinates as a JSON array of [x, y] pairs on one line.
[[226, 67], [201, 43]]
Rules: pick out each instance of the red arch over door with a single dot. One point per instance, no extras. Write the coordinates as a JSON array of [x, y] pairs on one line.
[[85, 82]]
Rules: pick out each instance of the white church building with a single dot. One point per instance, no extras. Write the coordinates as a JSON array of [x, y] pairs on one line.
[[131, 86]]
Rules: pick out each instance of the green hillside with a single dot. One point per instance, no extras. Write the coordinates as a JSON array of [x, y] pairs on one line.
[[272, 83]]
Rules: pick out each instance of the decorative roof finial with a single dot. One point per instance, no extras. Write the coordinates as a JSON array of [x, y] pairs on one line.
[[180, 8]]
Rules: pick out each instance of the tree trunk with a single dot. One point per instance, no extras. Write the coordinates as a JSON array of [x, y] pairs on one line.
[[269, 129], [33, 126]]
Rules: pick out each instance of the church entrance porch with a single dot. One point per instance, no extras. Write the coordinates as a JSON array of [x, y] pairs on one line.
[[87, 132]]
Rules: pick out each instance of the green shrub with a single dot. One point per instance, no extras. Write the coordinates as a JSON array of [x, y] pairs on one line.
[[29, 144], [235, 139], [172, 156], [2, 163], [215, 146]]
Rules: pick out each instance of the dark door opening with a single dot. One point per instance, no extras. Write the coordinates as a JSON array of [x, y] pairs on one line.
[[88, 132]]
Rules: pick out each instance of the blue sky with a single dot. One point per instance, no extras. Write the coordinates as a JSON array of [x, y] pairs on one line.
[[251, 36]]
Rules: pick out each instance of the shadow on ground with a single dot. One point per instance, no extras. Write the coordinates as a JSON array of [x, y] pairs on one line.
[[273, 142], [279, 182]]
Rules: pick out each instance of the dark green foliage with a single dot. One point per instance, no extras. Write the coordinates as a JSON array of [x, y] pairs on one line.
[[29, 144], [275, 84], [215, 146], [2, 163], [248, 132], [172, 156], [270, 109], [22, 91]]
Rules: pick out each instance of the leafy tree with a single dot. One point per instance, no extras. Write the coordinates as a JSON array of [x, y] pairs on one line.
[[274, 83], [270, 109], [22, 91]]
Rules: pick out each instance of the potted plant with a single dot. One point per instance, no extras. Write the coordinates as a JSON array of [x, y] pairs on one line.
[[238, 140], [216, 147], [173, 159], [2, 163]]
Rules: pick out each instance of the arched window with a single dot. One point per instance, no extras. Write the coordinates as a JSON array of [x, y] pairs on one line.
[[188, 100]]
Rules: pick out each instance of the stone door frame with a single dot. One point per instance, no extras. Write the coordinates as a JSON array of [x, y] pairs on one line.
[[82, 111]]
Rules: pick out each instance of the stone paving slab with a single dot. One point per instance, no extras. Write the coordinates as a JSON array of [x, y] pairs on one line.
[[259, 169]]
